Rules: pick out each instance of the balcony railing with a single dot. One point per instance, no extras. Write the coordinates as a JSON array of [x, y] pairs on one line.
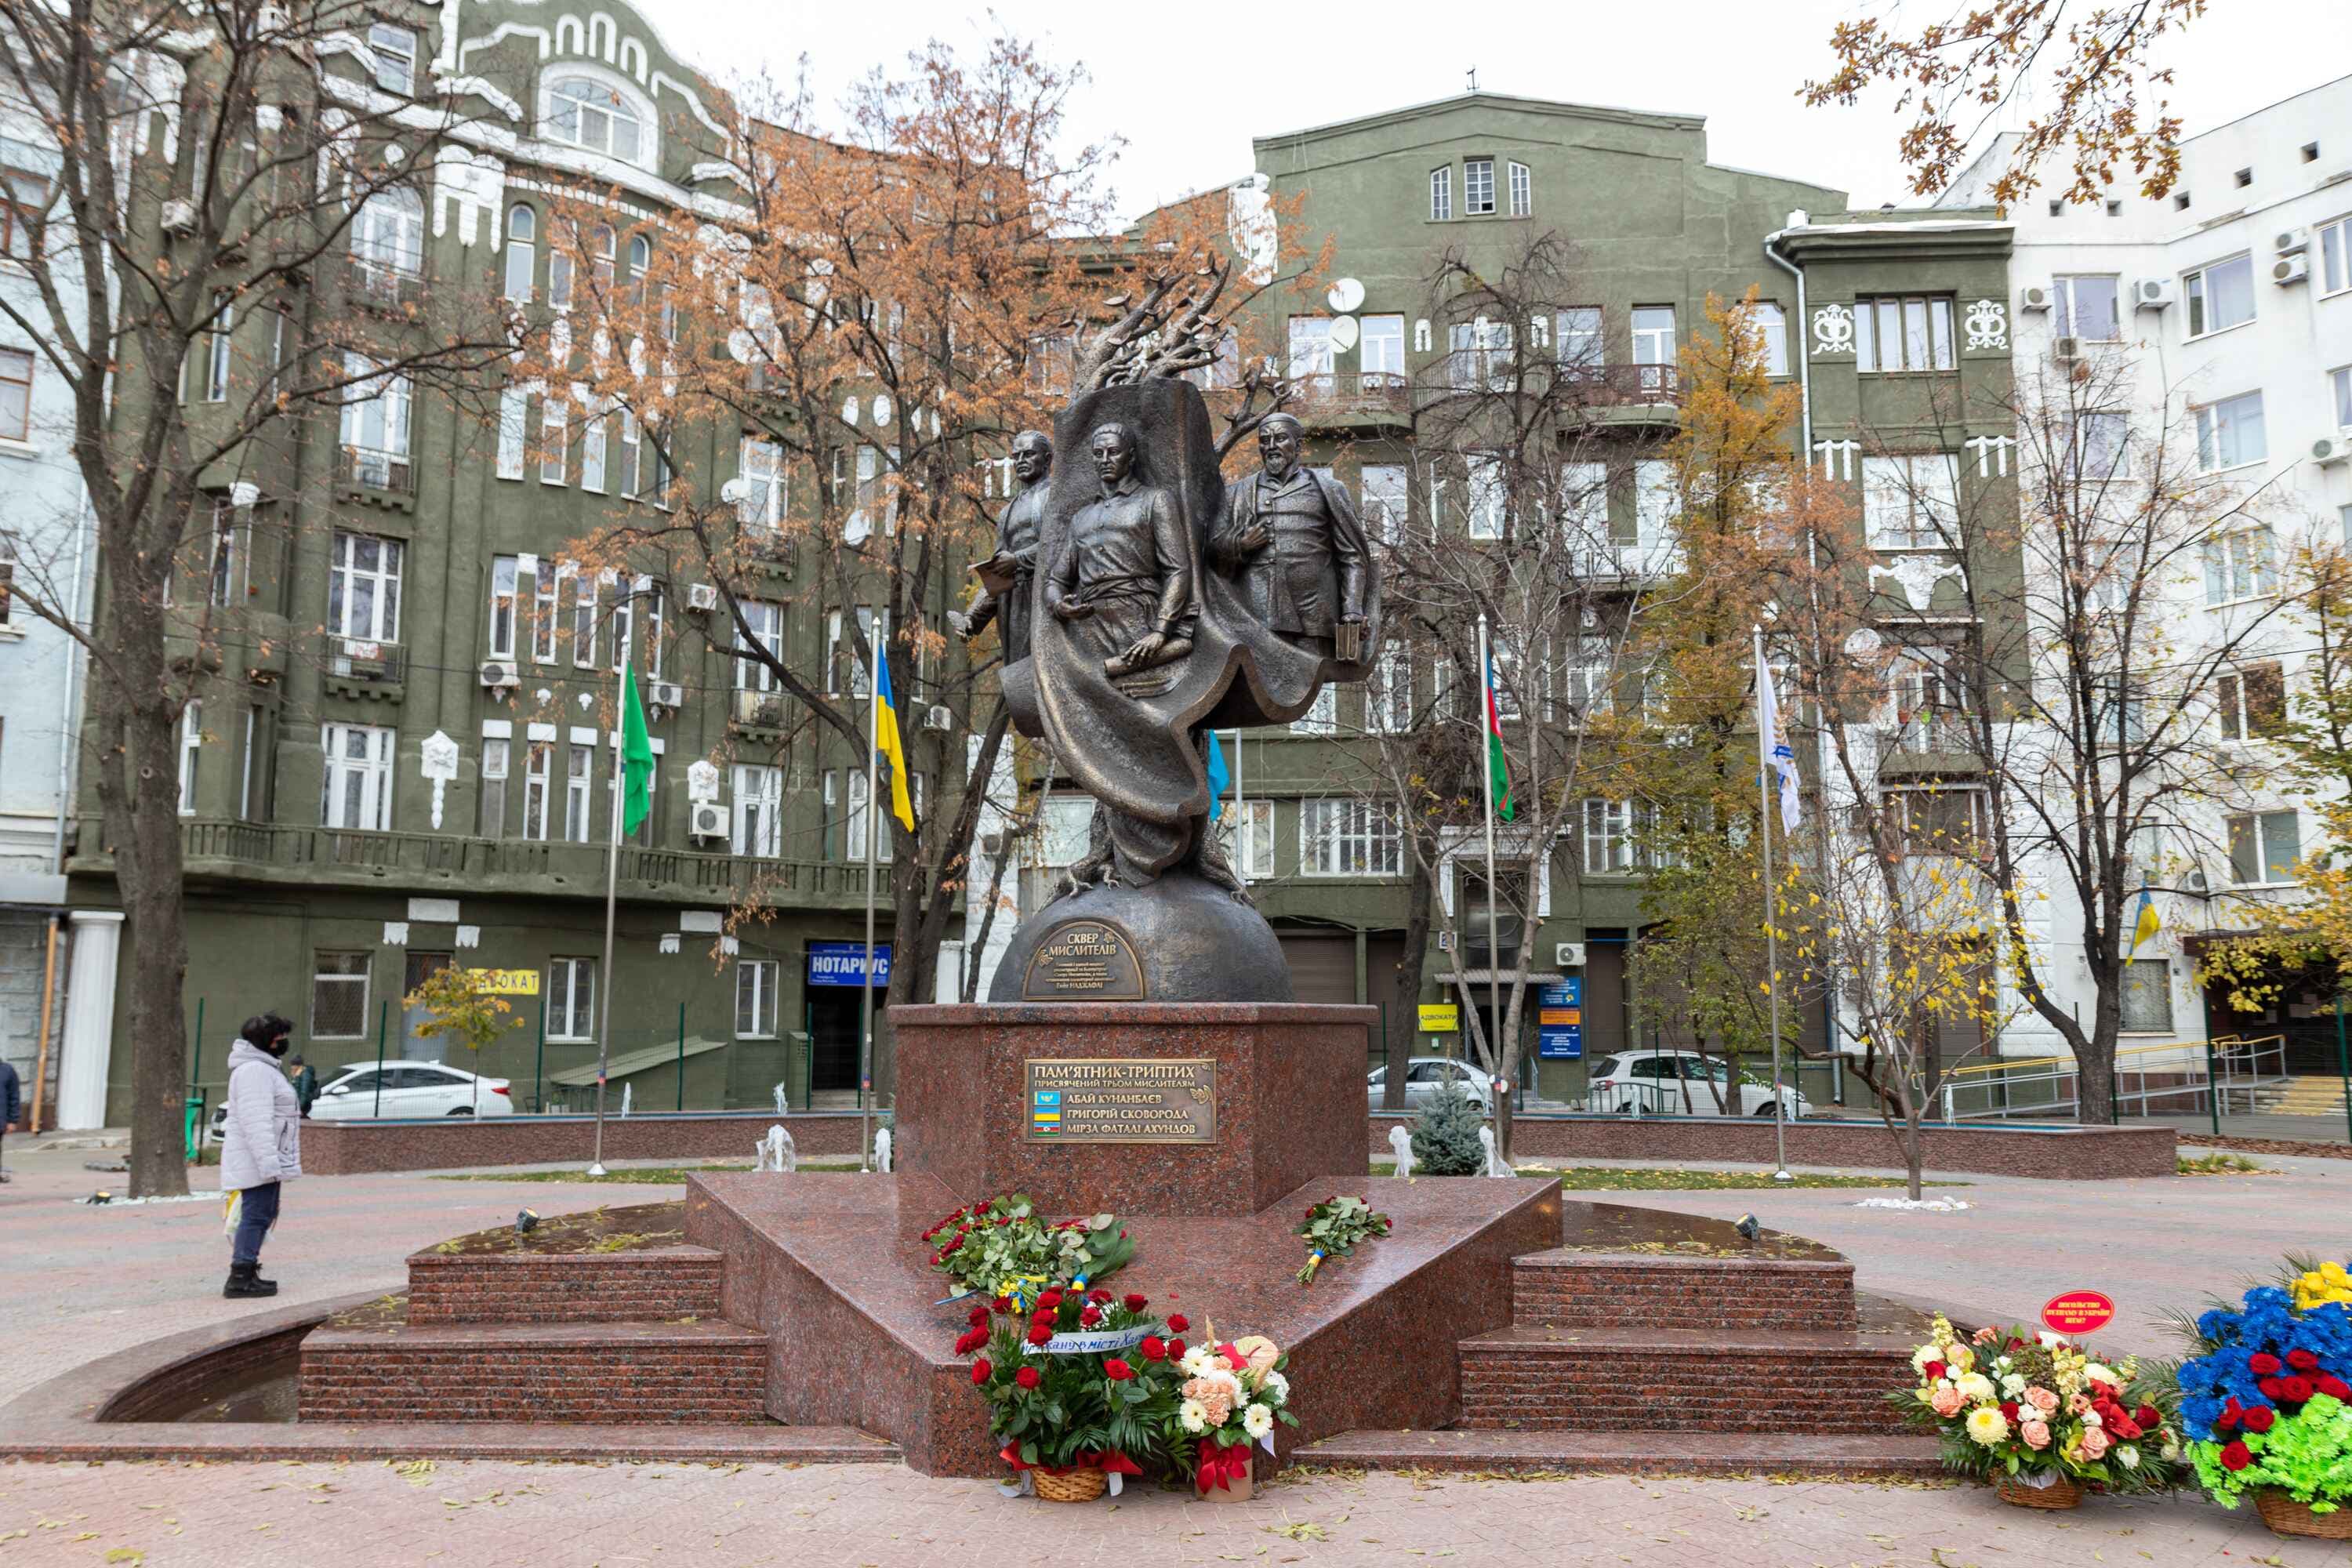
[[1630, 562], [279, 852], [1353, 396], [758, 710], [382, 285], [1940, 734], [366, 468], [1623, 385]]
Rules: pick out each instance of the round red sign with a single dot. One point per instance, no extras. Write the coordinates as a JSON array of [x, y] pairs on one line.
[[2078, 1312]]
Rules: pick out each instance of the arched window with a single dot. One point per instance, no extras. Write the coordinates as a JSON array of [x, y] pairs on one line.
[[522, 256], [588, 113], [640, 259], [388, 232], [602, 250]]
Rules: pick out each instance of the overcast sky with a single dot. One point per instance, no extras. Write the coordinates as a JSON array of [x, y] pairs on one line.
[[1187, 112]]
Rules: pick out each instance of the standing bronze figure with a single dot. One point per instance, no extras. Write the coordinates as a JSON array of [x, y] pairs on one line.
[[1014, 565], [1292, 536]]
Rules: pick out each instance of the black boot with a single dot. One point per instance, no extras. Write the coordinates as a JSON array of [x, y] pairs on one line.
[[244, 1280]]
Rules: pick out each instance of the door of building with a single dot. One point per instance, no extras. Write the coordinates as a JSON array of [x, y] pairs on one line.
[[421, 967]]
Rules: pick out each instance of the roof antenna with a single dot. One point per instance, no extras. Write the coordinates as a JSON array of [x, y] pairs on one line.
[[1473, 86]]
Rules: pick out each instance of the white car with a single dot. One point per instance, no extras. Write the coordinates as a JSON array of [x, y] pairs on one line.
[[411, 1089], [1426, 1077], [1679, 1083]]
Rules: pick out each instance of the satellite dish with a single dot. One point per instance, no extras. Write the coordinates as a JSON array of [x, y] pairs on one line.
[[1863, 643], [1343, 333], [733, 492], [1345, 294], [857, 530]]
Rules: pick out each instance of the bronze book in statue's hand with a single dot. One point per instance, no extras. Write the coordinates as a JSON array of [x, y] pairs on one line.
[[998, 582], [1347, 642]]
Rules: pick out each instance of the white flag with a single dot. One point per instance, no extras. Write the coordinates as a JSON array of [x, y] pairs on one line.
[[1774, 741]]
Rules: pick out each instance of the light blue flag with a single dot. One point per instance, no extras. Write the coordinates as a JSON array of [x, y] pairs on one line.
[[1219, 780]]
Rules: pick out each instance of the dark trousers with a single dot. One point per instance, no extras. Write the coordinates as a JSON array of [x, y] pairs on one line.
[[257, 1211]]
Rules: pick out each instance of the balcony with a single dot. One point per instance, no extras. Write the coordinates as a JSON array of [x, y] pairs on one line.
[[1615, 392], [376, 475], [225, 851], [1931, 742], [372, 670], [1629, 564], [376, 284], [1354, 400], [757, 712]]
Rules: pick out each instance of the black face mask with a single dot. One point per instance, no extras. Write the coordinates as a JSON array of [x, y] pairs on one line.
[[277, 1048]]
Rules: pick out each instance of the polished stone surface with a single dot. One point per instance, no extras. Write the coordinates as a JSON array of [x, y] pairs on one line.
[[1289, 1101], [833, 1267], [1193, 940]]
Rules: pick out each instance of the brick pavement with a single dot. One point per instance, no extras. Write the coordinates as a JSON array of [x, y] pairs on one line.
[[83, 1282]]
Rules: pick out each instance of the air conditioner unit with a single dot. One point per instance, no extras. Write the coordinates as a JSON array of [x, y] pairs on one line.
[[668, 695], [2331, 449], [499, 674], [2288, 241], [702, 597], [179, 216], [2065, 349], [1568, 956], [937, 716], [2152, 294], [709, 820], [2289, 269], [2034, 297]]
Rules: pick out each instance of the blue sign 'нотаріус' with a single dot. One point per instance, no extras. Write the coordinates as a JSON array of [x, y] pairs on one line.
[[843, 964]]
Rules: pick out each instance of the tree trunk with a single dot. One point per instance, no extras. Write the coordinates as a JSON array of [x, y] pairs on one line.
[[1404, 987], [143, 822], [2094, 1055], [1913, 1150]]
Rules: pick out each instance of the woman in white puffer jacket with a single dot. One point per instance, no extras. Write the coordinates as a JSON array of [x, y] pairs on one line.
[[261, 1144]]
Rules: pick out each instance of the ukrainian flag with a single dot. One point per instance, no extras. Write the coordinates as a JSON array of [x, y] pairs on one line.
[[2145, 926], [886, 742]]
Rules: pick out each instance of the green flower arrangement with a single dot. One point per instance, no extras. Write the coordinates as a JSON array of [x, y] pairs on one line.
[[2308, 1456], [1001, 1247]]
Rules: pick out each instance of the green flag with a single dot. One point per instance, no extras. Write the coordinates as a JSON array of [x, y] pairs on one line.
[[636, 759]]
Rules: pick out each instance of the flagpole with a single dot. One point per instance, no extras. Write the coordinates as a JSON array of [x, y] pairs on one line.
[[1489, 714], [612, 880], [1767, 741], [873, 831]]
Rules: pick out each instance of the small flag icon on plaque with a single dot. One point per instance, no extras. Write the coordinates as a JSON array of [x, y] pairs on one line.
[[1046, 1115]]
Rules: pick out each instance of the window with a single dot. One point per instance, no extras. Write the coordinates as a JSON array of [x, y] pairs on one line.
[[2221, 296], [2339, 383], [339, 996], [571, 999], [363, 588], [547, 581], [765, 622], [24, 205], [562, 237], [223, 546], [592, 453], [579, 780], [1483, 354], [755, 999], [1311, 349], [2100, 439], [1350, 838], [2229, 433], [502, 606], [1582, 353], [645, 466], [553, 416], [192, 741], [2148, 996], [1586, 678], [1477, 187], [602, 255], [1484, 510], [762, 506], [1913, 333], [1655, 502], [2264, 846], [2084, 306], [1523, 198], [15, 395], [1322, 715], [1388, 696], [1772, 325], [587, 587], [885, 843], [252, 778], [495, 753], [1384, 501], [537, 786], [375, 424], [842, 657], [1607, 837], [1933, 821], [523, 253], [2336, 256], [394, 49], [1381, 353], [1911, 503], [641, 260], [357, 790], [387, 242], [2241, 565], [219, 342], [1441, 193], [514, 431], [1654, 346], [590, 114], [758, 810], [1245, 831], [2251, 702]]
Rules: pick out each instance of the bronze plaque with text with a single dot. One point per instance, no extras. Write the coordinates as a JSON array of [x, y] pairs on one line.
[[1121, 1100], [1083, 961]]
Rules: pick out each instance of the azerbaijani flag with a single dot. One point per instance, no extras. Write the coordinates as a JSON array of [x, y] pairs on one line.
[[637, 758], [886, 742], [1498, 774]]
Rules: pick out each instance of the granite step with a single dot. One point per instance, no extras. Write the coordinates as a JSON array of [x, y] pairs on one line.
[[706, 1373], [1578, 1288], [751, 1443], [1814, 1381], [1663, 1453], [650, 1285]]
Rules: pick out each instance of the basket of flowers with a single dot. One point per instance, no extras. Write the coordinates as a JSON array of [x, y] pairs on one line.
[[1234, 1394], [2267, 1401], [1002, 1245], [2037, 1417], [1080, 1386]]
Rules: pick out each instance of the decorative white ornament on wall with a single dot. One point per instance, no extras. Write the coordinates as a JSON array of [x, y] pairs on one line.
[[1837, 458], [1832, 331], [1988, 324], [1918, 576], [1992, 455], [436, 758]]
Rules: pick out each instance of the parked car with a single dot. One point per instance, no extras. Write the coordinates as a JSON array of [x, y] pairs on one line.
[[410, 1089], [1679, 1083], [1426, 1077]]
